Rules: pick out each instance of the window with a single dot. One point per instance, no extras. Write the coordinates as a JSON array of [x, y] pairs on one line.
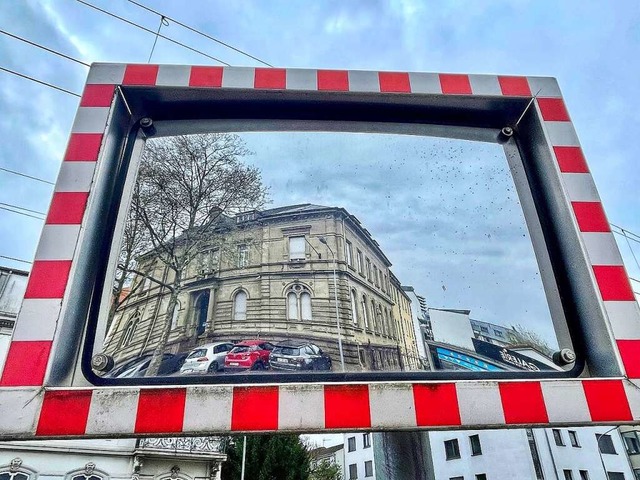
[[201, 309], [584, 474], [481, 476], [568, 475], [476, 448], [369, 274], [243, 256], [498, 333], [631, 442], [615, 475], [296, 248], [365, 311], [86, 477], [130, 328], [456, 478], [351, 447], [353, 471], [452, 449], [368, 468], [366, 440], [606, 444], [354, 308], [299, 304], [376, 276], [557, 436], [359, 260], [7, 475], [636, 473], [240, 306], [533, 448], [573, 438], [348, 252]]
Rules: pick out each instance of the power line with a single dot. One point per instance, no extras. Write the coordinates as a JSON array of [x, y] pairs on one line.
[[152, 32], [40, 82], [15, 259], [20, 213], [22, 208], [213, 39], [625, 230], [26, 176], [44, 48]]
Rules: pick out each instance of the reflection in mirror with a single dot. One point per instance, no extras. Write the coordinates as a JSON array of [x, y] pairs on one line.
[[294, 252]]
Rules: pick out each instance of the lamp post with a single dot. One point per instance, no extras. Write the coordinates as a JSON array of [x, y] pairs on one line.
[[244, 457], [599, 437], [335, 292]]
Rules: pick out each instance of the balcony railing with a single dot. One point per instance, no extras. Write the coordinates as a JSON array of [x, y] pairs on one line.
[[182, 445]]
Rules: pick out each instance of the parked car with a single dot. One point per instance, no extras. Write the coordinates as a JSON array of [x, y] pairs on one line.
[[138, 367], [298, 355], [249, 354], [207, 358]]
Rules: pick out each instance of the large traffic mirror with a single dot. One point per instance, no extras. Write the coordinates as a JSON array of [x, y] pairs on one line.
[[344, 249]]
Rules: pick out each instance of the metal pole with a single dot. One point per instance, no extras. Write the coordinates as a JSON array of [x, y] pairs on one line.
[[599, 437], [244, 456], [335, 294]]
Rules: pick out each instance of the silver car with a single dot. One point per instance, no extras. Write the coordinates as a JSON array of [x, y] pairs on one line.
[[207, 358]]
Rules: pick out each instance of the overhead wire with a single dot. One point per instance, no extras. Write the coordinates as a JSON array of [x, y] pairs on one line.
[[15, 259], [40, 82], [21, 213], [122, 19], [22, 208], [50, 50], [206, 35], [26, 176]]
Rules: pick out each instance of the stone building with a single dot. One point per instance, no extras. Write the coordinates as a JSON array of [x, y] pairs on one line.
[[270, 275]]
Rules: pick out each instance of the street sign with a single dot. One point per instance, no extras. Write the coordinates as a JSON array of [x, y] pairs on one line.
[[317, 333]]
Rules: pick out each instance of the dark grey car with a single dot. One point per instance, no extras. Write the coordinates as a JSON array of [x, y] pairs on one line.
[[298, 356]]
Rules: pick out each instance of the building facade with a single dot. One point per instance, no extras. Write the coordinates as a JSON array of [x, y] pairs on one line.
[[13, 284], [198, 458], [274, 275]]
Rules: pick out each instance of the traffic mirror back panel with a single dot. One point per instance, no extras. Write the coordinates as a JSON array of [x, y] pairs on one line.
[[246, 249]]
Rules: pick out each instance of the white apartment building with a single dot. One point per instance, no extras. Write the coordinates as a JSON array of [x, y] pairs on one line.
[[586, 453], [358, 456]]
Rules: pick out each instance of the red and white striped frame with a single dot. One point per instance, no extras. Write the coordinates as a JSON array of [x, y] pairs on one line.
[[50, 411]]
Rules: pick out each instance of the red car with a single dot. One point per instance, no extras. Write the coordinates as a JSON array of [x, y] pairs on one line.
[[248, 355]]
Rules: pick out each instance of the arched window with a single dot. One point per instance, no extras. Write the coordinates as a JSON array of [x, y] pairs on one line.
[[130, 329], [379, 320], [240, 306], [365, 311], [299, 304], [374, 314], [8, 475], [88, 473], [15, 471], [354, 308], [82, 476], [292, 306], [305, 306]]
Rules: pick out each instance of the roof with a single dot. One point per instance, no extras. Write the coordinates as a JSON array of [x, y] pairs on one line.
[[292, 343], [250, 342], [322, 452]]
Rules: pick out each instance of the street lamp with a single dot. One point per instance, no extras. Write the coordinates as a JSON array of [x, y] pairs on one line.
[[335, 292], [599, 437]]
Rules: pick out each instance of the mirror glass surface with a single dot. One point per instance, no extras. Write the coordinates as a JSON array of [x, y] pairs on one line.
[[285, 252]]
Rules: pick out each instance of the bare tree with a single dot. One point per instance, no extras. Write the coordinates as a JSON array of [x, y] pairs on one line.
[[186, 187], [525, 336], [135, 242]]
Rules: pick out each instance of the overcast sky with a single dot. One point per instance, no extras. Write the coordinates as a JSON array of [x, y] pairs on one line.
[[592, 49]]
